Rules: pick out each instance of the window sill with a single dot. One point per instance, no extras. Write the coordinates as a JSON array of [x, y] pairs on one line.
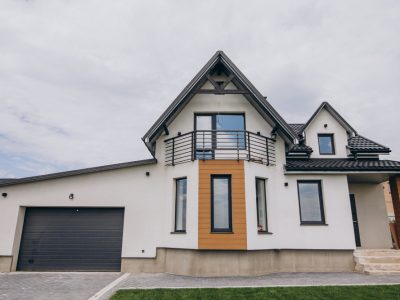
[[264, 232], [178, 232], [313, 224]]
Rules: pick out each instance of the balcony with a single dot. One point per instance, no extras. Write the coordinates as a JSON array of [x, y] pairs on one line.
[[222, 145]]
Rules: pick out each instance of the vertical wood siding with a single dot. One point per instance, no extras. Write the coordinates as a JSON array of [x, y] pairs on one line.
[[222, 241]]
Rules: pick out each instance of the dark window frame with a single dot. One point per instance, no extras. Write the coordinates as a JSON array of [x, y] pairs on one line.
[[321, 202], [214, 129], [332, 136], [265, 204], [223, 230], [176, 204]]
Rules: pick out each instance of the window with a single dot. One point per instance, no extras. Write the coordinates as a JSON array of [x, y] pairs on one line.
[[326, 145], [218, 131], [261, 205], [310, 202], [221, 203], [180, 204]]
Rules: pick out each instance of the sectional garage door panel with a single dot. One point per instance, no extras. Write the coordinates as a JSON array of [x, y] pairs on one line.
[[71, 239]]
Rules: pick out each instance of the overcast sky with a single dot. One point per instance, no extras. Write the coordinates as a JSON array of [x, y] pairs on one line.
[[82, 81]]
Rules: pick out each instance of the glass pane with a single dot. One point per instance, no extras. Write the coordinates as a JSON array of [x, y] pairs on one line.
[[261, 205], [207, 154], [180, 209], [230, 139], [203, 138], [309, 202], [221, 203], [325, 144]]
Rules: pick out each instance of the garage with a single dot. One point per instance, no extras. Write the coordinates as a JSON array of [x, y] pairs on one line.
[[71, 239]]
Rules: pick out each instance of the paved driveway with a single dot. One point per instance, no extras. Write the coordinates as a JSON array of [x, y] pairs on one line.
[[47, 286]]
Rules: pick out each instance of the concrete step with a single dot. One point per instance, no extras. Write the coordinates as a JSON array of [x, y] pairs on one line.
[[385, 259], [376, 252], [382, 272], [377, 261], [381, 267]]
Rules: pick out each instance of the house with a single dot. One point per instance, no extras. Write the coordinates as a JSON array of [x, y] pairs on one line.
[[232, 189]]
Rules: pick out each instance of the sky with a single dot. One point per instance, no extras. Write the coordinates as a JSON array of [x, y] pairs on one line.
[[82, 81]]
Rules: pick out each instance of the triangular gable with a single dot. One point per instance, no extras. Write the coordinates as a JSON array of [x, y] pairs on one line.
[[236, 83], [334, 114]]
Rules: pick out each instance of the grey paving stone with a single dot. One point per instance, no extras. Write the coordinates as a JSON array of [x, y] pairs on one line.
[[49, 286]]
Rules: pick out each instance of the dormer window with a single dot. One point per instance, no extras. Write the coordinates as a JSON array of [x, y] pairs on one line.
[[326, 144]]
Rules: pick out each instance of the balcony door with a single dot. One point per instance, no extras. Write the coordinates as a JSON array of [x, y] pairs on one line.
[[219, 132]]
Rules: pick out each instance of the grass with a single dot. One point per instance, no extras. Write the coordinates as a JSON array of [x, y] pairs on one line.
[[375, 292]]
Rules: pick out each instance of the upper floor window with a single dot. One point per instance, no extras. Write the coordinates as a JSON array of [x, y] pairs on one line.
[[218, 131], [221, 203], [180, 204], [326, 144], [310, 202]]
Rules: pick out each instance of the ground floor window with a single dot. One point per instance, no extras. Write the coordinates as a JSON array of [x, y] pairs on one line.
[[180, 204], [221, 203], [261, 205], [310, 202]]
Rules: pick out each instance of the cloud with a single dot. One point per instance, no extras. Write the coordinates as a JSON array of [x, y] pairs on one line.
[[82, 81]]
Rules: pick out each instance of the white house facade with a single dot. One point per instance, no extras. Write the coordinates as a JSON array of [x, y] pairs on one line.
[[232, 189]]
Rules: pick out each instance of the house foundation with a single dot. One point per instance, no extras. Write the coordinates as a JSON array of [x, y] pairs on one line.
[[214, 263]]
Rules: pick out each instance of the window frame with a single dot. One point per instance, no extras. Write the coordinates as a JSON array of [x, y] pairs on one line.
[[332, 136], [321, 203], [214, 129], [176, 205], [265, 204], [223, 230]]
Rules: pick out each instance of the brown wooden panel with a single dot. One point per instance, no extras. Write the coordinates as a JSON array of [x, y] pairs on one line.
[[222, 241]]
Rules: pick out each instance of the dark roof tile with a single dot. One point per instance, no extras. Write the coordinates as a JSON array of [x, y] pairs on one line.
[[341, 164], [359, 143]]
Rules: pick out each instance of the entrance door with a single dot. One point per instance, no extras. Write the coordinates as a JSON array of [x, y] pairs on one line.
[[355, 220]]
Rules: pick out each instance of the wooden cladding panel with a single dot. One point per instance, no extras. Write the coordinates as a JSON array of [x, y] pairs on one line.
[[222, 241]]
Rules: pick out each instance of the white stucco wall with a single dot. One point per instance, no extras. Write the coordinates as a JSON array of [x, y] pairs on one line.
[[334, 127], [284, 216], [372, 216], [149, 201]]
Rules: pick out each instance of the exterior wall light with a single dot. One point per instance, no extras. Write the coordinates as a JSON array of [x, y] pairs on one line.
[[71, 196], [286, 183], [325, 125], [147, 173], [4, 195]]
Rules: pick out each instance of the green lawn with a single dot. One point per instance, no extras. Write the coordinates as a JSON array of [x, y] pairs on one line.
[[318, 292]]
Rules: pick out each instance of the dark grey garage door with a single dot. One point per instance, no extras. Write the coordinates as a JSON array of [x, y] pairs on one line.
[[71, 239]]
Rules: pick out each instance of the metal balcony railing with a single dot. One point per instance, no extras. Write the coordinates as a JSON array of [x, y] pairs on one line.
[[220, 144]]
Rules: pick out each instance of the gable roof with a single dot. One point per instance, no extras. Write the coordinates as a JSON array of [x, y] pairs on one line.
[[253, 95], [359, 143], [334, 113], [136, 163]]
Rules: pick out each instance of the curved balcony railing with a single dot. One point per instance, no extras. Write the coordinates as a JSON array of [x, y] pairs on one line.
[[220, 144]]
